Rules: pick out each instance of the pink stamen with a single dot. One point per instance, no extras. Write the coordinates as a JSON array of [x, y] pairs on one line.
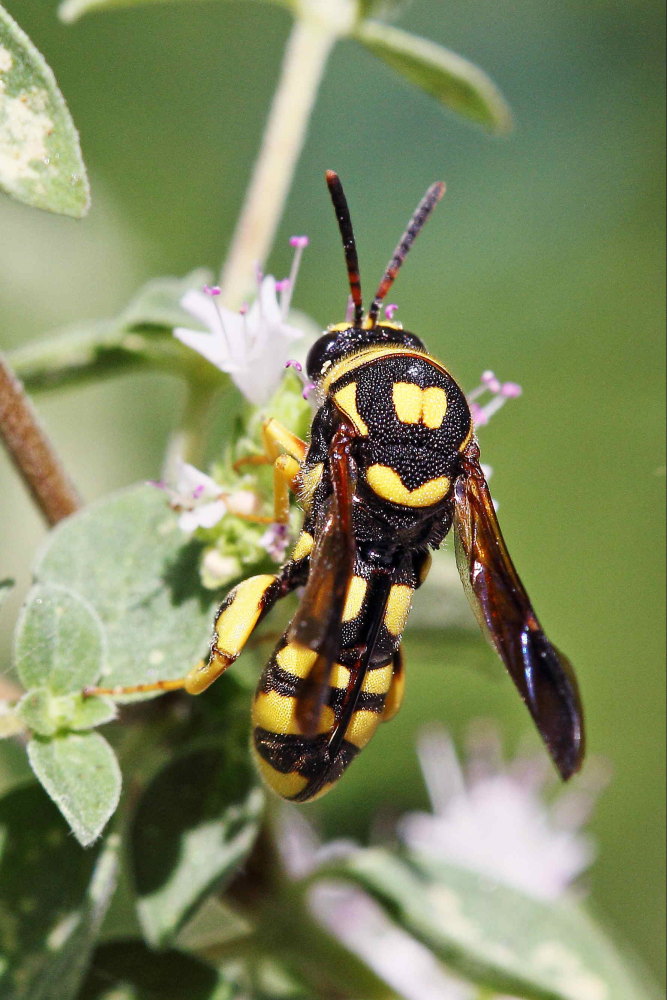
[[244, 309], [479, 415], [211, 290], [490, 381], [282, 286], [298, 242], [158, 483], [296, 365], [390, 310], [511, 390], [197, 491], [307, 389]]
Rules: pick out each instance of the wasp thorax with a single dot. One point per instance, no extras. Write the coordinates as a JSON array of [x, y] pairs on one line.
[[339, 341]]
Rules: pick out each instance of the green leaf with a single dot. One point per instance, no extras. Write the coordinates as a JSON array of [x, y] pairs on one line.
[[128, 970], [59, 640], [40, 157], [72, 10], [47, 714], [139, 337], [5, 587], [139, 573], [81, 774], [494, 935], [53, 898], [451, 79], [195, 824]]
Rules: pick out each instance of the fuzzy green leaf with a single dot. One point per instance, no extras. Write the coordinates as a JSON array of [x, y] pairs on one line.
[[138, 337], [129, 970], [81, 774], [53, 898], [59, 640], [501, 939], [40, 157], [140, 575], [195, 824], [47, 714], [447, 76], [72, 10]]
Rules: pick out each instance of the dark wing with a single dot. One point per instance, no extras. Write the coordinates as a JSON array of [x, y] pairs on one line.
[[318, 617], [542, 674]]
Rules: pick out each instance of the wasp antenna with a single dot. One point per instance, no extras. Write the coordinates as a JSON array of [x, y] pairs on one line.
[[349, 245], [416, 223]]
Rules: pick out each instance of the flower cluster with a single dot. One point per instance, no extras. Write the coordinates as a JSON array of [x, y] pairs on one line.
[[252, 345]]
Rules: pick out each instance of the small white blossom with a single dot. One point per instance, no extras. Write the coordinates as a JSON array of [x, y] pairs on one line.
[[196, 497], [494, 821], [252, 345]]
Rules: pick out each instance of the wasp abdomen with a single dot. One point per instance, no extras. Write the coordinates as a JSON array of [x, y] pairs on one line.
[[364, 688]]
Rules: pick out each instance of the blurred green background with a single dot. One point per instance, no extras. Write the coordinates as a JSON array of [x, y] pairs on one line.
[[544, 263]]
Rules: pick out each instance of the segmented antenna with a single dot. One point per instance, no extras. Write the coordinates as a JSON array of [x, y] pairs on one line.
[[421, 214], [349, 246]]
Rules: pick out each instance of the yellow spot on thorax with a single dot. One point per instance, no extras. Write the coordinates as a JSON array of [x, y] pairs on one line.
[[388, 485], [346, 400], [415, 405]]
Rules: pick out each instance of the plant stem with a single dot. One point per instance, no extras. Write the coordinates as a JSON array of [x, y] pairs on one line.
[[188, 441], [305, 58], [31, 451]]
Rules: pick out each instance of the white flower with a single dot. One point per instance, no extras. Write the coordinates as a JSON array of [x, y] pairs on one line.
[[197, 497], [252, 345], [493, 821]]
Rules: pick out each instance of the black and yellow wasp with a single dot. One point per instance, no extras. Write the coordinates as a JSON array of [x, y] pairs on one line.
[[392, 464]]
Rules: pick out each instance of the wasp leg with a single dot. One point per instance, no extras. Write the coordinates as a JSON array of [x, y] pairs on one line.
[[237, 617], [287, 453], [276, 440], [394, 698]]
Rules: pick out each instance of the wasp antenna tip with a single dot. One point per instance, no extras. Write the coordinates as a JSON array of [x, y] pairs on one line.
[[330, 176]]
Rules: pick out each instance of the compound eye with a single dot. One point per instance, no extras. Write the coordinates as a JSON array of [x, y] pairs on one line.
[[320, 354]]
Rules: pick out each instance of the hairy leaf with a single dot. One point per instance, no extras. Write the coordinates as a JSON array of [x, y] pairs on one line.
[[140, 575], [59, 640], [81, 774], [40, 157]]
